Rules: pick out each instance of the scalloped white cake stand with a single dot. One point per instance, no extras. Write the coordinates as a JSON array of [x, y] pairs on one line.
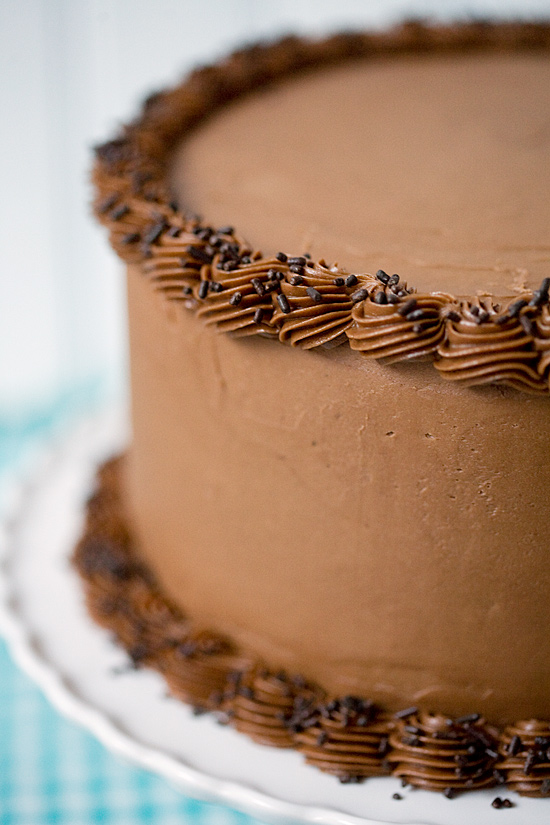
[[82, 672]]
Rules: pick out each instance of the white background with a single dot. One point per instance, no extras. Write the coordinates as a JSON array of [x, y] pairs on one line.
[[70, 71]]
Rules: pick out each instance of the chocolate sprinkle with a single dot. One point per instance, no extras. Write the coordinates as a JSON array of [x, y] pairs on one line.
[[403, 714], [236, 299], [282, 300], [199, 254], [314, 294], [258, 286], [360, 295], [281, 257], [203, 290], [352, 280], [407, 307], [382, 276]]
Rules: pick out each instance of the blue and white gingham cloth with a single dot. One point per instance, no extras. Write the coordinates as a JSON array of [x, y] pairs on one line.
[[51, 770]]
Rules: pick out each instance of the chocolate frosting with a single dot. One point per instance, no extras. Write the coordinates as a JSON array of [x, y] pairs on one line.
[[213, 271], [347, 736]]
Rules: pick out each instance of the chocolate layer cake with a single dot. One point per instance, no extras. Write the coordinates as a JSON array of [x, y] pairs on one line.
[[330, 526]]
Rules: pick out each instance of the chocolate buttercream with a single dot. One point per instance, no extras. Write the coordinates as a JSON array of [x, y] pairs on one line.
[[347, 736], [134, 198]]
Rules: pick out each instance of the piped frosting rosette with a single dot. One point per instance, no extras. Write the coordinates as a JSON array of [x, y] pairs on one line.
[[391, 331], [239, 302], [525, 757], [264, 705], [485, 344], [347, 737], [315, 307], [434, 752]]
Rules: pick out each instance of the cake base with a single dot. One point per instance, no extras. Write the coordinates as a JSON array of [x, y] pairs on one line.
[[347, 736]]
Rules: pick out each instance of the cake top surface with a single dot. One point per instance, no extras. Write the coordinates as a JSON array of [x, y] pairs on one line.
[[422, 149], [436, 167]]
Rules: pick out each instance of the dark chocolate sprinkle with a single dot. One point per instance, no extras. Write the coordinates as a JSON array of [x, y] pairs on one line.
[[380, 297], [236, 299], [530, 760], [515, 745], [258, 286], [174, 231], [276, 274], [107, 204], [407, 307], [198, 710], [383, 746], [449, 793], [507, 803], [483, 317], [187, 290], [225, 230], [203, 290], [131, 237], [359, 295], [545, 787], [296, 280], [467, 720], [382, 276], [281, 257], [392, 298], [297, 269], [119, 212], [515, 308], [412, 741], [314, 294], [216, 286], [154, 233], [497, 802], [415, 315], [322, 738], [258, 315], [393, 280], [282, 300], [528, 325], [338, 282], [199, 254], [351, 280], [397, 796], [404, 714], [298, 261]]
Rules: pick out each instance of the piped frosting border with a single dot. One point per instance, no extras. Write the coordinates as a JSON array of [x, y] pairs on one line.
[[309, 304]]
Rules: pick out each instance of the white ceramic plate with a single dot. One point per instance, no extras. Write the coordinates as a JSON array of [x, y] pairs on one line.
[[78, 667]]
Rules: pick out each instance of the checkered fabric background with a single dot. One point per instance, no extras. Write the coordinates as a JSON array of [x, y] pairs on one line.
[[52, 771]]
